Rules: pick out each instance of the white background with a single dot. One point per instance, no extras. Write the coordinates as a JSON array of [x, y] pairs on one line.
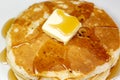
[[11, 8]]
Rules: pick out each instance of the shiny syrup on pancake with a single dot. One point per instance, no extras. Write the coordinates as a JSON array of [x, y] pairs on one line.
[[5, 29], [3, 56], [11, 75], [7, 25]]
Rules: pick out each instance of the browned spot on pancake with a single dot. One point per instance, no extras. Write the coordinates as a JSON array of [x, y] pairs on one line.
[[83, 11], [90, 41], [109, 37], [99, 18], [50, 6], [18, 37], [22, 22]]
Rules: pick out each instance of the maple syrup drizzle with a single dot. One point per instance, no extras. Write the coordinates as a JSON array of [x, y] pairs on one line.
[[3, 56], [11, 75], [6, 27]]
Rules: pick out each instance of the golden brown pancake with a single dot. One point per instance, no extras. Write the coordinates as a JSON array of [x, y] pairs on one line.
[[34, 55]]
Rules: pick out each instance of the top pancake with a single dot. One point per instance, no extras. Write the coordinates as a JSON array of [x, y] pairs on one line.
[[36, 51]]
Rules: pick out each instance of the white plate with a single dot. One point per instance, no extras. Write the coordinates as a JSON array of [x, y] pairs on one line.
[[11, 8]]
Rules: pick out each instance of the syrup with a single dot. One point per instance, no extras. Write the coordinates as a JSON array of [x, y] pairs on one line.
[[11, 75], [6, 27], [3, 56]]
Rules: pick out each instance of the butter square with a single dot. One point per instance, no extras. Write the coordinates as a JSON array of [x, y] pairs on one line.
[[57, 19]]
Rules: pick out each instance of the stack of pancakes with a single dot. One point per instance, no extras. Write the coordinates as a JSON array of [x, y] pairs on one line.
[[89, 55]]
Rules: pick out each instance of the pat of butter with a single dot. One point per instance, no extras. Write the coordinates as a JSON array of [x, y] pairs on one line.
[[61, 26]]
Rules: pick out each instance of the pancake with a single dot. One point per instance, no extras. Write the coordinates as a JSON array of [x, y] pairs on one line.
[[90, 54]]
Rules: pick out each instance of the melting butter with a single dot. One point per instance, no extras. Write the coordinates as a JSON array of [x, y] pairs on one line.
[[68, 24], [61, 26]]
